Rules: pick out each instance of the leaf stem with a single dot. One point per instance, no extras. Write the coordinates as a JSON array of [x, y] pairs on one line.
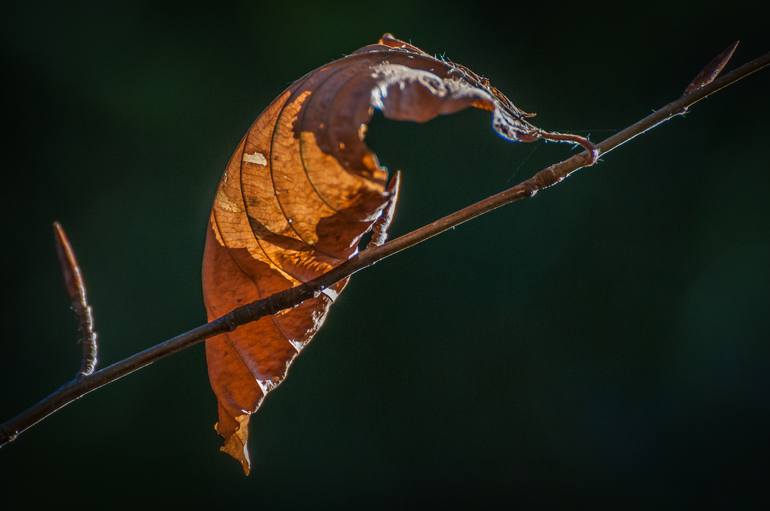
[[545, 178]]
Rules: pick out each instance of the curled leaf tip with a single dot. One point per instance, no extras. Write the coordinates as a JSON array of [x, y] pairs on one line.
[[236, 434], [710, 72]]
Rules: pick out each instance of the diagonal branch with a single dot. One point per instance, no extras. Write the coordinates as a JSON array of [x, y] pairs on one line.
[[291, 297]]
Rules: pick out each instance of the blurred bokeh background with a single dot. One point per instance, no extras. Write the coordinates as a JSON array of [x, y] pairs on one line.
[[607, 340]]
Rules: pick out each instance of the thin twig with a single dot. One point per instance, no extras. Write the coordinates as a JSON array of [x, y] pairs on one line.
[[291, 297], [76, 288]]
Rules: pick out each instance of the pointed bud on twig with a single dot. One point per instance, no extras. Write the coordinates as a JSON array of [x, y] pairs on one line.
[[73, 282], [709, 73], [381, 226]]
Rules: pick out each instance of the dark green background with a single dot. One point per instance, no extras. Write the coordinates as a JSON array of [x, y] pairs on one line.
[[607, 340]]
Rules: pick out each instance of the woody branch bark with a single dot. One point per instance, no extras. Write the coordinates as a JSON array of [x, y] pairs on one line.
[[700, 88]]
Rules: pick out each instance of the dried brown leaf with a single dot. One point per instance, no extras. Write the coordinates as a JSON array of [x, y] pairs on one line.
[[298, 194]]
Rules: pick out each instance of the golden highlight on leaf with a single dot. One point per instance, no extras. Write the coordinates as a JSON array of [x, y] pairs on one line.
[[298, 194]]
